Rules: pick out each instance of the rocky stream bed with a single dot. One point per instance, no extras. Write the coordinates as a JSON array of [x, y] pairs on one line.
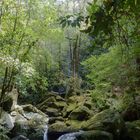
[[74, 118]]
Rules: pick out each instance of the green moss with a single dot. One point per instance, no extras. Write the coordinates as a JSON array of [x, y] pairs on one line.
[[52, 111], [107, 120], [58, 127], [71, 107], [61, 104], [75, 124], [81, 113]]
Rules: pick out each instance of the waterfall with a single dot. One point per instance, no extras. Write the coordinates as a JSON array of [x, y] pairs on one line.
[[45, 137], [70, 136]]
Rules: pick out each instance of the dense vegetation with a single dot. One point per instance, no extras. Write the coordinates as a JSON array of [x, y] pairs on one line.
[[71, 48]]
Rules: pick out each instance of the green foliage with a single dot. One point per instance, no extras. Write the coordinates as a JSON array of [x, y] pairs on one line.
[[25, 29], [101, 69], [112, 74], [113, 65], [71, 20]]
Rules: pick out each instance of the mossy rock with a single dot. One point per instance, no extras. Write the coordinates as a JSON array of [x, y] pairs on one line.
[[58, 127], [58, 105], [54, 119], [76, 99], [59, 98], [50, 99], [107, 120], [74, 124], [130, 107], [68, 109], [95, 135], [52, 112], [45, 103], [81, 113], [71, 107], [61, 104], [133, 130], [31, 108], [132, 112], [88, 104], [54, 95]]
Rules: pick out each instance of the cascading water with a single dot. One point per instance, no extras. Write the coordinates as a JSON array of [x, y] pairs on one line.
[[45, 137], [70, 136]]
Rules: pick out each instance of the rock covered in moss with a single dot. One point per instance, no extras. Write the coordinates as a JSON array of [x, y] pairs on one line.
[[54, 101], [80, 113], [54, 119], [133, 130], [107, 120], [132, 111], [58, 127], [74, 124], [52, 112]]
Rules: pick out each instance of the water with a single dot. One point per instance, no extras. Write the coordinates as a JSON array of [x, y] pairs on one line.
[[70, 136], [45, 137]]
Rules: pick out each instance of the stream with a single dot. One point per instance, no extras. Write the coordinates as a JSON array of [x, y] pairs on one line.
[[45, 137], [70, 136]]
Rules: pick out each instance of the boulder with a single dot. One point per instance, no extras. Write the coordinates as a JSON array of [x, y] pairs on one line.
[[54, 104], [51, 99], [29, 122], [87, 135], [81, 113], [133, 130], [88, 104], [68, 109], [132, 111], [58, 127], [76, 99], [6, 120], [60, 104], [52, 112], [95, 135], [31, 108], [47, 102], [54, 119], [75, 125], [107, 120]]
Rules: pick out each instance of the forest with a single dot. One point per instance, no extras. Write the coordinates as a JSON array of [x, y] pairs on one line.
[[69, 69]]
